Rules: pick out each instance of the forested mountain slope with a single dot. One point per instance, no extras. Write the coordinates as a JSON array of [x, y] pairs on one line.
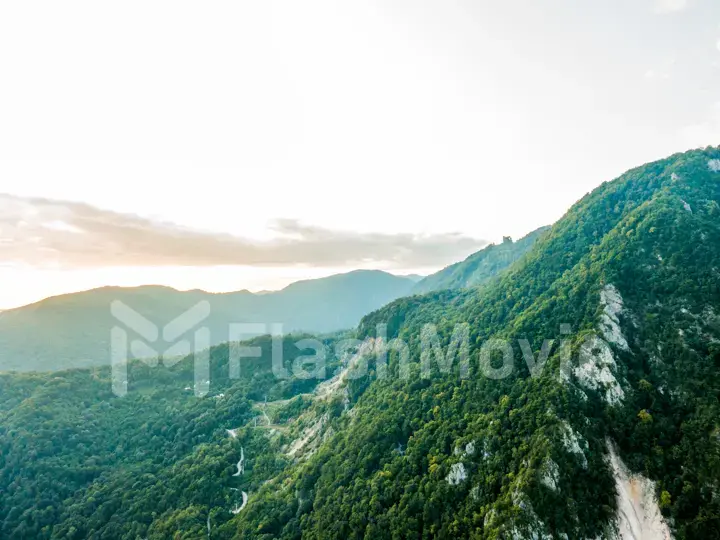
[[480, 267], [77, 462], [610, 431], [629, 281], [73, 330]]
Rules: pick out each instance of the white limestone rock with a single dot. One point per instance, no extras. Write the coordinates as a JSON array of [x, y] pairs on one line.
[[571, 442], [457, 474], [612, 304], [470, 448], [595, 370], [550, 477]]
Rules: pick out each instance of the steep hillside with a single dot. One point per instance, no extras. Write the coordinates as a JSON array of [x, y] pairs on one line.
[[480, 267], [575, 397], [74, 330], [614, 436]]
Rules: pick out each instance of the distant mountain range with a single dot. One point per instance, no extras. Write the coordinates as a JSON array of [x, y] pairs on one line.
[[73, 330]]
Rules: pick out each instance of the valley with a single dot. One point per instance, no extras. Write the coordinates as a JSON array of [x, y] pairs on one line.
[[611, 434]]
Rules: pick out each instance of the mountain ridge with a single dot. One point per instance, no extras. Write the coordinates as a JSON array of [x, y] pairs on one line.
[[73, 330], [630, 268], [157, 286], [482, 266]]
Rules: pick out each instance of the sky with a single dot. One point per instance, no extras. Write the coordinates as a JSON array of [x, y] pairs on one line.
[[245, 145]]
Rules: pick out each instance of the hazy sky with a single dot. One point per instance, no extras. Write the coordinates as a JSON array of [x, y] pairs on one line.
[[229, 145]]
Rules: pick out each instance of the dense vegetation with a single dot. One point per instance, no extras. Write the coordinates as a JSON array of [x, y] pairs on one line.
[[654, 235], [78, 462], [634, 267]]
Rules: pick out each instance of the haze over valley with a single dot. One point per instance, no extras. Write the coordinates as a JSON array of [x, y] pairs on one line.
[[380, 270]]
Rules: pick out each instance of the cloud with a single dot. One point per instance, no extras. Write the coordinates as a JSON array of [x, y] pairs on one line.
[[48, 233], [670, 6]]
